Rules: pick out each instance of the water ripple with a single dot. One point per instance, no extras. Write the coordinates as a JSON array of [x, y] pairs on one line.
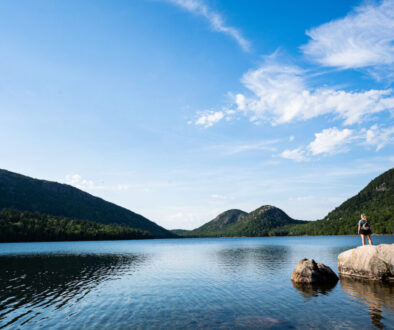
[[183, 284]]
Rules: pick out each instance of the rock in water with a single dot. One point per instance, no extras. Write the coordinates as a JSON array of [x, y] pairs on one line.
[[309, 272], [370, 262]]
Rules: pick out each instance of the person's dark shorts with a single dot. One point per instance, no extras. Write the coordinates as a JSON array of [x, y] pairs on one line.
[[365, 232]]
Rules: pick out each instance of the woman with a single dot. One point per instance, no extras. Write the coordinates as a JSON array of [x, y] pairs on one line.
[[364, 229]]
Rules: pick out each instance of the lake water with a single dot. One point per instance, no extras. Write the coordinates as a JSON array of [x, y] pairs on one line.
[[184, 283]]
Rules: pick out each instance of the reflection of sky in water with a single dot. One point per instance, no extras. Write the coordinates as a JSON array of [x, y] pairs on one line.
[[34, 284], [184, 283]]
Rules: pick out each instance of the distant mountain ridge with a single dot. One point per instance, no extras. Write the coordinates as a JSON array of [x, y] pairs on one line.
[[52, 198], [376, 200], [239, 223], [262, 220]]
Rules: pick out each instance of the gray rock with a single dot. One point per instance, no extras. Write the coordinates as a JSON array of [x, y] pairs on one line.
[[309, 272], [369, 262]]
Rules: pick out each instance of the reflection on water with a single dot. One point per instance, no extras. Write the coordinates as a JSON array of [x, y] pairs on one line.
[[44, 281], [182, 284], [267, 259], [374, 294], [314, 290]]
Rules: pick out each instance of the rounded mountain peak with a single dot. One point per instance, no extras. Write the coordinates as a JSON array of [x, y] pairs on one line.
[[266, 208], [229, 216]]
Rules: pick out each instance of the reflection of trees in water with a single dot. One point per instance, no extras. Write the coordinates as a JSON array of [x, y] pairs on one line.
[[314, 290], [374, 294], [52, 281], [266, 258]]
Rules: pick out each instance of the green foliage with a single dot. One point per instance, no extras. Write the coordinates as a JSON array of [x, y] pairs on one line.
[[25, 193], [376, 200], [261, 221], [239, 223], [24, 226], [218, 226], [179, 232]]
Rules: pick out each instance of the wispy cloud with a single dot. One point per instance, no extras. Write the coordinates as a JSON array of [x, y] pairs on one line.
[[296, 154], [364, 38], [210, 117], [281, 93], [215, 19], [79, 182], [236, 148], [333, 141], [379, 137], [222, 197]]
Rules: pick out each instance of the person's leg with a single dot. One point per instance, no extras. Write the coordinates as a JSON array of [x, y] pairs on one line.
[[363, 238], [369, 239]]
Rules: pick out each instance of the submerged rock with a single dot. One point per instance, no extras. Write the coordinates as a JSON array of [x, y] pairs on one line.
[[309, 272], [369, 262]]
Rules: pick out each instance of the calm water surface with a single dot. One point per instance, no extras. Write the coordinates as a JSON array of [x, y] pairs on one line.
[[184, 283]]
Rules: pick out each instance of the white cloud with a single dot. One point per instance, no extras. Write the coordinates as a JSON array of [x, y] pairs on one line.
[[301, 198], [235, 148], [210, 117], [280, 94], [77, 181], [363, 38], [296, 154], [215, 19], [122, 187], [379, 137], [216, 196], [330, 141]]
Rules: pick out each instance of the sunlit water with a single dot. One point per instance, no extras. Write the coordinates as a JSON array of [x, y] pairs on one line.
[[184, 283]]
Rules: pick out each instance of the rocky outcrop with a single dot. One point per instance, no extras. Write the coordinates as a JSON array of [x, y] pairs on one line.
[[309, 272], [369, 262]]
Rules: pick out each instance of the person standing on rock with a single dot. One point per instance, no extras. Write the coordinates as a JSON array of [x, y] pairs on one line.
[[364, 229]]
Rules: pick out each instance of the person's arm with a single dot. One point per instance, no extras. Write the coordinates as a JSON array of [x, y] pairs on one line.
[[359, 227]]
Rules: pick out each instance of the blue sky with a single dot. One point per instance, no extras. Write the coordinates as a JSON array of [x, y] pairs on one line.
[[182, 109]]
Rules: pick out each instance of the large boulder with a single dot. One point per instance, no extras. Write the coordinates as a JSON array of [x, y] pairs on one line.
[[309, 272], [369, 262]]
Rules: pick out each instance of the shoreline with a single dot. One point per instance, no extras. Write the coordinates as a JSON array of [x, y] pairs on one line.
[[176, 238]]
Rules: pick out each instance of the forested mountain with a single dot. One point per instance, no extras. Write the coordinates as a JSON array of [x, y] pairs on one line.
[[219, 225], [261, 221], [239, 223], [376, 200], [52, 198], [63, 205], [24, 226]]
